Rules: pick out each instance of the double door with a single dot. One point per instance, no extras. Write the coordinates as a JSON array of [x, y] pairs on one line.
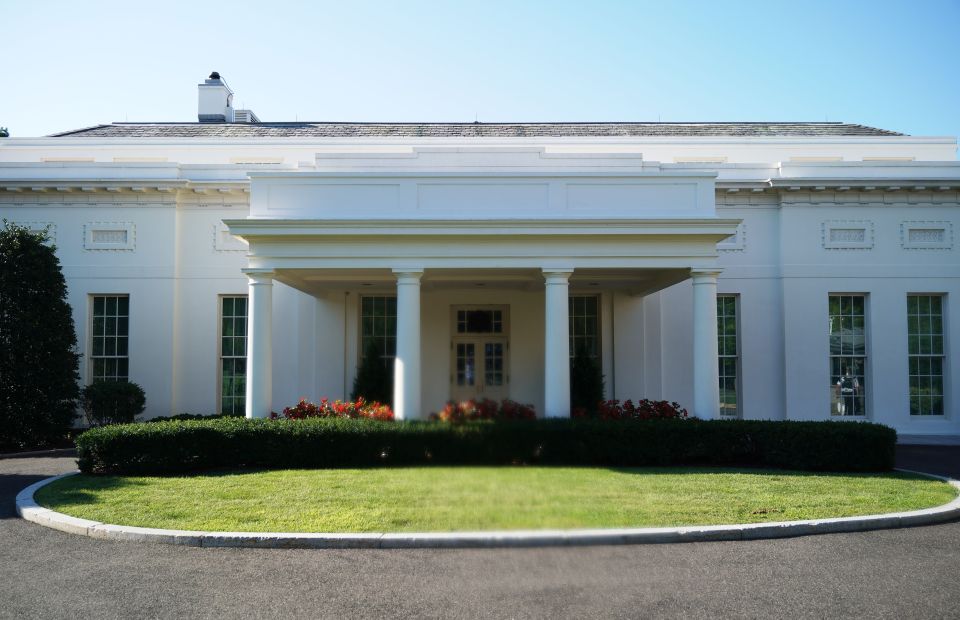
[[479, 355]]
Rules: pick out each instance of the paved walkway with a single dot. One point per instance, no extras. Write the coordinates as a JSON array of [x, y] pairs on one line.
[[909, 573]]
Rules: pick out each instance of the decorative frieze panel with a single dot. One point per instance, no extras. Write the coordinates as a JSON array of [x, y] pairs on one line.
[[736, 242], [223, 241], [38, 227], [847, 234], [110, 236], [926, 235]]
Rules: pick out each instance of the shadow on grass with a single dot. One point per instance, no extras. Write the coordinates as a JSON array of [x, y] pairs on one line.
[[82, 489], [673, 471]]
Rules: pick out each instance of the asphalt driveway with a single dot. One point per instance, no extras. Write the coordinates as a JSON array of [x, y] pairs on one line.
[[909, 573]]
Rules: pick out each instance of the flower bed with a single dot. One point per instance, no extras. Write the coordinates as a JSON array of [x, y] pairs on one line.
[[643, 410], [485, 409], [337, 409]]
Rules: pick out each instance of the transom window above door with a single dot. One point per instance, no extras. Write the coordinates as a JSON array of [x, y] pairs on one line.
[[480, 321]]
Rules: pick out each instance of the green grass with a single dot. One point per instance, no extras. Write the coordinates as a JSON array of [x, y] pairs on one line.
[[482, 498]]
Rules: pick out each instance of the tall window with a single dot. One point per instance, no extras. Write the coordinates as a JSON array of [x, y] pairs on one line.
[[728, 349], [848, 355], [110, 332], [585, 324], [925, 350], [233, 354], [378, 323]]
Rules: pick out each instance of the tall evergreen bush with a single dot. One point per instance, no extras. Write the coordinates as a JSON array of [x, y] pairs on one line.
[[586, 382], [374, 381], [38, 358]]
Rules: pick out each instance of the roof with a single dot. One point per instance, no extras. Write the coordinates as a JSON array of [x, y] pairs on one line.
[[471, 130]]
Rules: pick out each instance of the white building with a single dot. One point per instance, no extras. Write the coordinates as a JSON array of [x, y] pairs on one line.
[[482, 253]]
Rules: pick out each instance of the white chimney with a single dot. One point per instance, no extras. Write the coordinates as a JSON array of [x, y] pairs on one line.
[[215, 104]]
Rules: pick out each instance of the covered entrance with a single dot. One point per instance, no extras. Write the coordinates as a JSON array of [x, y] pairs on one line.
[[441, 222]]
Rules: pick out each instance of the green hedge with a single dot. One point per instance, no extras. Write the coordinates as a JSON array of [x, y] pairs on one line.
[[228, 443]]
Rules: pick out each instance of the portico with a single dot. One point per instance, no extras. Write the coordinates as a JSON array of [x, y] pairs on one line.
[[443, 281], [442, 225]]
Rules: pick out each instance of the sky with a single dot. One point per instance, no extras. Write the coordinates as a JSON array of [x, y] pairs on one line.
[[889, 64]]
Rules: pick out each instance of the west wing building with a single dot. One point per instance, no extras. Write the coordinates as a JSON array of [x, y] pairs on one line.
[[800, 271]]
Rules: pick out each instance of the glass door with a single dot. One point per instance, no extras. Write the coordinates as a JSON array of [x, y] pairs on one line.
[[479, 350]]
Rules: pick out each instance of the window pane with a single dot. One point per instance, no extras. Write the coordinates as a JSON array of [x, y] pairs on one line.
[[233, 351], [848, 355], [584, 324], [109, 344], [378, 323], [925, 354], [727, 349]]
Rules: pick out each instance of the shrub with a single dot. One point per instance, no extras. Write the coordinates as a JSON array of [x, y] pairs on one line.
[[484, 409], [586, 382], [112, 402], [644, 410], [194, 416], [38, 360], [355, 409], [184, 446], [374, 380]]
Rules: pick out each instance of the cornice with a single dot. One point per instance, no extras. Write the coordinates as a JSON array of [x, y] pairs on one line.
[[284, 228], [842, 185], [149, 186]]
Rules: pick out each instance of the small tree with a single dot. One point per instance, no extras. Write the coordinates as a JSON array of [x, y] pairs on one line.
[[374, 381], [38, 358], [4, 133], [586, 382]]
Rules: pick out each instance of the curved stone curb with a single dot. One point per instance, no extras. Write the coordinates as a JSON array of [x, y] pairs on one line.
[[28, 509]]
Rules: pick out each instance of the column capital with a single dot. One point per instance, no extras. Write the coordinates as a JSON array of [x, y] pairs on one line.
[[557, 275], [407, 275], [705, 276], [260, 276]]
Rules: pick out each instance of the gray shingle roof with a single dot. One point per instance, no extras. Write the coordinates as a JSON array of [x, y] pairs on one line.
[[470, 130]]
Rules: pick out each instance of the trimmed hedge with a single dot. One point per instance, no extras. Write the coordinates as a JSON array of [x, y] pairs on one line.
[[229, 443]]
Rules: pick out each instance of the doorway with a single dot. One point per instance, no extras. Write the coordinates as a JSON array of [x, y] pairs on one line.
[[479, 353]]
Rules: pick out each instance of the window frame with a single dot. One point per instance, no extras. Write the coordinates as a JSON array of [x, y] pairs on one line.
[[90, 357], [867, 385], [944, 358], [738, 363], [220, 356], [361, 349], [571, 337]]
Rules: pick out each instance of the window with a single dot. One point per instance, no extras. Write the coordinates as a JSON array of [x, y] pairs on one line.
[[378, 323], [479, 321], [848, 355], [728, 349], [925, 352], [585, 324], [109, 338], [233, 354]]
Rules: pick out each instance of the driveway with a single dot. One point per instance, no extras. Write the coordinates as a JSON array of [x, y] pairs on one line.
[[909, 573]]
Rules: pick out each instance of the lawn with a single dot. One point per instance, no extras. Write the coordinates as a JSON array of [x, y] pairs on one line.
[[482, 498]]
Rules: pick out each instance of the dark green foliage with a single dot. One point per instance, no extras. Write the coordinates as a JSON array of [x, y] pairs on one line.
[[194, 416], [38, 361], [184, 446], [4, 132], [374, 381], [112, 402], [586, 382]]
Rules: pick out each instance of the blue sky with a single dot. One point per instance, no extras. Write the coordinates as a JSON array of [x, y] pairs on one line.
[[894, 65]]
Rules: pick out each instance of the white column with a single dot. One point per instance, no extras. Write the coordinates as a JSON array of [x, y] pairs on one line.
[[406, 379], [556, 359], [260, 346], [706, 387]]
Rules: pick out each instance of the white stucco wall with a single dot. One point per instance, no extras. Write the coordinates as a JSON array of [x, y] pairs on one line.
[[781, 270]]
